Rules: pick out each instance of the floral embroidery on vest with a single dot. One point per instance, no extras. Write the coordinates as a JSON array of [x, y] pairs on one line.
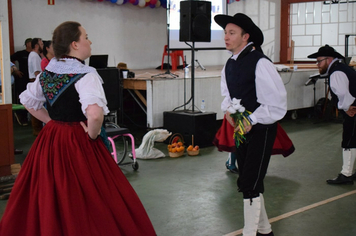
[[53, 85]]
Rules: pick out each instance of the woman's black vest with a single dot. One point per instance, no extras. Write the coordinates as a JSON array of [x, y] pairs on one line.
[[62, 99], [351, 76]]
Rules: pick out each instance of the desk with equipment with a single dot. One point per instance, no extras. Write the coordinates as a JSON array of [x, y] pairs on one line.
[[166, 94]]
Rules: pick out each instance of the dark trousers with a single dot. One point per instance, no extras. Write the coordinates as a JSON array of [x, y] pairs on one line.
[[253, 157], [349, 132]]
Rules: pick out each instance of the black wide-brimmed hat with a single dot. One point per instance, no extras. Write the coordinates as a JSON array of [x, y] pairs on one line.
[[245, 23], [326, 51]]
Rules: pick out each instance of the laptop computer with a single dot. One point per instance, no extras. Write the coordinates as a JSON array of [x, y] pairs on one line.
[[98, 61]]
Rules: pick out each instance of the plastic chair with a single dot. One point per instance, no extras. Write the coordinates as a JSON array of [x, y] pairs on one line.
[[179, 54], [175, 56], [170, 54]]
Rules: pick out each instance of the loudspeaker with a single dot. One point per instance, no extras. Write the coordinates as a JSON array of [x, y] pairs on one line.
[[113, 88], [195, 21], [201, 125]]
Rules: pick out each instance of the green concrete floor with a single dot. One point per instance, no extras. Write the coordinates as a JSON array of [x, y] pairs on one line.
[[197, 196]]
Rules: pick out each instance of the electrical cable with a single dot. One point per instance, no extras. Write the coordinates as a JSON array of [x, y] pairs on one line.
[[183, 104]]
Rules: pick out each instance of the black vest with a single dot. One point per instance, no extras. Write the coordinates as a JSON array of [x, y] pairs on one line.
[[351, 76], [240, 77], [62, 99]]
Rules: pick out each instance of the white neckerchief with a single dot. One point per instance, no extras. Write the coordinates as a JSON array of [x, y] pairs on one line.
[[70, 66]]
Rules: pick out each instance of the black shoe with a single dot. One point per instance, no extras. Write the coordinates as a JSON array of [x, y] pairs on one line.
[[354, 176], [341, 179], [18, 151], [270, 234]]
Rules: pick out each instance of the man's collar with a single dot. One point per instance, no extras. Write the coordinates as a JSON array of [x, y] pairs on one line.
[[332, 62], [235, 56]]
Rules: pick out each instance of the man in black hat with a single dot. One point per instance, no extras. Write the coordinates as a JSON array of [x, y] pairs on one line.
[[342, 84], [250, 76]]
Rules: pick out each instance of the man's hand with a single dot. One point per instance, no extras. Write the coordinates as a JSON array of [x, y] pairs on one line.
[[18, 74], [229, 119], [351, 111], [246, 126]]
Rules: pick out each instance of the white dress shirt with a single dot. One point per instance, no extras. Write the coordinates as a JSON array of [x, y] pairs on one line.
[[34, 64], [89, 87], [339, 84], [270, 91]]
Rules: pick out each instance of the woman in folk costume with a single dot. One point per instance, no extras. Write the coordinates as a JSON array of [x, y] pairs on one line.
[[69, 184], [250, 77]]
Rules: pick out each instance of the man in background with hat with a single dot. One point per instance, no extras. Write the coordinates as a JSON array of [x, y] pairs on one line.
[[250, 76], [342, 84]]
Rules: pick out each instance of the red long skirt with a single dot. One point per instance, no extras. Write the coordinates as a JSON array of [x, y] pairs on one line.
[[224, 140], [70, 185]]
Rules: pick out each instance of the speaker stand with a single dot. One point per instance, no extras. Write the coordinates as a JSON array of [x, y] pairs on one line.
[[193, 76], [194, 15], [171, 75], [192, 111], [200, 65]]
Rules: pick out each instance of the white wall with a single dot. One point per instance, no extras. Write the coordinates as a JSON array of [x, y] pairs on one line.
[[129, 33], [315, 24], [266, 14], [5, 54]]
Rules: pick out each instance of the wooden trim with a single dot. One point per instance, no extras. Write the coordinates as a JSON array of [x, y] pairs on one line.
[[285, 27], [11, 28], [6, 139], [283, 54], [134, 84], [141, 97]]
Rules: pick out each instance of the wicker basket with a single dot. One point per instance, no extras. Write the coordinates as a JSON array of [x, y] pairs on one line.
[[176, 154], [193, 153], [176, 138]]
